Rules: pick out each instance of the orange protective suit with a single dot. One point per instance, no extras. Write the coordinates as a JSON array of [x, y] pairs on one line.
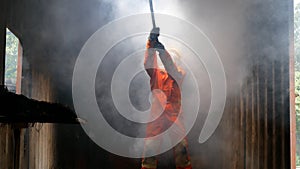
[[165, 86]]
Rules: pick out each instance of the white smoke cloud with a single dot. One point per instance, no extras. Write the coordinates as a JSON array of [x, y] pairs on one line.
[[123, 8]]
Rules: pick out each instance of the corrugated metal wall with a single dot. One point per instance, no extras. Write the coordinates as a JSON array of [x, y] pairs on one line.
[[271, 109], [263, 108], [264, 117], [255, 125]]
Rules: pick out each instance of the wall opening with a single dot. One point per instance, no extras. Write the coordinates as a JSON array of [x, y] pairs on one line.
[[13, 60]]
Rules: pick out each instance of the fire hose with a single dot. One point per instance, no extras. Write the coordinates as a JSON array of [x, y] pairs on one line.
[[152, 13]]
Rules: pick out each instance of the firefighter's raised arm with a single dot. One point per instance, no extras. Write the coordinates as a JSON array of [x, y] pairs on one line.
[[167, 60], [150, 62]]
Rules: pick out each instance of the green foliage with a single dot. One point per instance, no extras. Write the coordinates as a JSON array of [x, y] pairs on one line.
[[297, 78], [297, 160], [11, 55]]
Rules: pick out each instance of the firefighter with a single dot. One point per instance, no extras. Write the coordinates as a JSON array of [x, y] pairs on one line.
[[165, 85]]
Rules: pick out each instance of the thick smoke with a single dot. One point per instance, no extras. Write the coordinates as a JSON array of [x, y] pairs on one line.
[[221, 21], [127, 7], [224, 26]]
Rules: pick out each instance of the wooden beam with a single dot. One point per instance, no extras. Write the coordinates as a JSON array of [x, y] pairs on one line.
[[292, 88], [19, 69]]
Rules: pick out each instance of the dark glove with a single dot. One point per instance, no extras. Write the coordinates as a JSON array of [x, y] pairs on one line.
[[153, 40], [154, 34], [159, 46], [156, 45]]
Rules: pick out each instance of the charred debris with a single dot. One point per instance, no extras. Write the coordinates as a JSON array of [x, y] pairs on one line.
[[17, 108]]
